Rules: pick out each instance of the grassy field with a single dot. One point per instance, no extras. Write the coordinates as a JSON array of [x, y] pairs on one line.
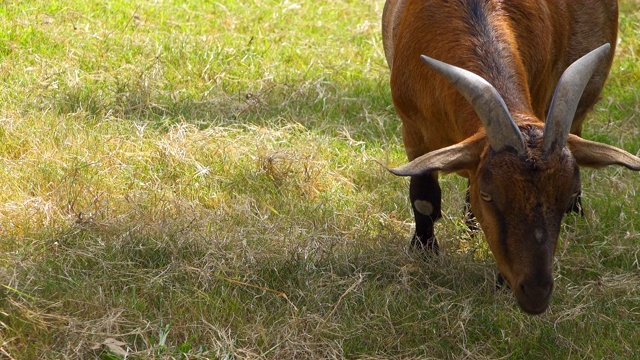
[[194, 180]]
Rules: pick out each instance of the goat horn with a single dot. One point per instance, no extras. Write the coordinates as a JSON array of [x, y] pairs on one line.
[[567, 96], [502, 131]]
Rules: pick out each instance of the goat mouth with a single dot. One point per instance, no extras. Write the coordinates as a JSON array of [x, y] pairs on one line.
[[532, 306], [536, 309], [535, 306]]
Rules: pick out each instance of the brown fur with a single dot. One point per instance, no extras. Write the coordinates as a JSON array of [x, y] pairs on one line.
[[521, 47], [538, 40]]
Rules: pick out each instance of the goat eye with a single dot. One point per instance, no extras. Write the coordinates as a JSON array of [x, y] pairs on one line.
[[484, 196]]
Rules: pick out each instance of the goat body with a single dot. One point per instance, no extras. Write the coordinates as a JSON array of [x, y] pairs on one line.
[[501, 100]]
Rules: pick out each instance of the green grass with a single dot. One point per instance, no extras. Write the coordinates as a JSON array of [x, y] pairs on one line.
[[195, 180]]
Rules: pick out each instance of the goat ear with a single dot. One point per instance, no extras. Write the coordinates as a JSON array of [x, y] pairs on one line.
[[596, 155], [461, 156]]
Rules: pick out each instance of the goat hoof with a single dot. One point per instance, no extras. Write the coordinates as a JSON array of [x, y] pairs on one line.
[[428, 246]]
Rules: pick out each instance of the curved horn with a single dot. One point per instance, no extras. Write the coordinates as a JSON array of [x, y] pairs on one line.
[[502, 131], [452, 158], [567, 96]]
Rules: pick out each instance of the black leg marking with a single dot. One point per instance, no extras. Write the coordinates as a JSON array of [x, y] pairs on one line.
[[469, 218], [576, 205], [501, 283], [425, 195]]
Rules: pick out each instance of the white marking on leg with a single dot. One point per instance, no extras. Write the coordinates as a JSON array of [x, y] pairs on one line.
[[539, 235], [423, 207]]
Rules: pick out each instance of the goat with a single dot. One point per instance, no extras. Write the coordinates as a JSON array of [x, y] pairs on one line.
[[501, 101]]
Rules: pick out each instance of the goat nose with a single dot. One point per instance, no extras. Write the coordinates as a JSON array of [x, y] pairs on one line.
[[536, 289]]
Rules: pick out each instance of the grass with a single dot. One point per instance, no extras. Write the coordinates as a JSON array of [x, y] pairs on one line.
[[195, 180]]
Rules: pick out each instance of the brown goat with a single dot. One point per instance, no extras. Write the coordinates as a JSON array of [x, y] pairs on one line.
[[502, 105]]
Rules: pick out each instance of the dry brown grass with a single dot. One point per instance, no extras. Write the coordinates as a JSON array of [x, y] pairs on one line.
[[175, 185]]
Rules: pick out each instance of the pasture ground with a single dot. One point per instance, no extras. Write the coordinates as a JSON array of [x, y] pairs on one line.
[[194, 180]]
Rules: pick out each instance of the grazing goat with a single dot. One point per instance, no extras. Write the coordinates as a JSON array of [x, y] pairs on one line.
[[501, 101]]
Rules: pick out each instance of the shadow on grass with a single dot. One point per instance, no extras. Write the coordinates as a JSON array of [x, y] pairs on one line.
[[313, 293]]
